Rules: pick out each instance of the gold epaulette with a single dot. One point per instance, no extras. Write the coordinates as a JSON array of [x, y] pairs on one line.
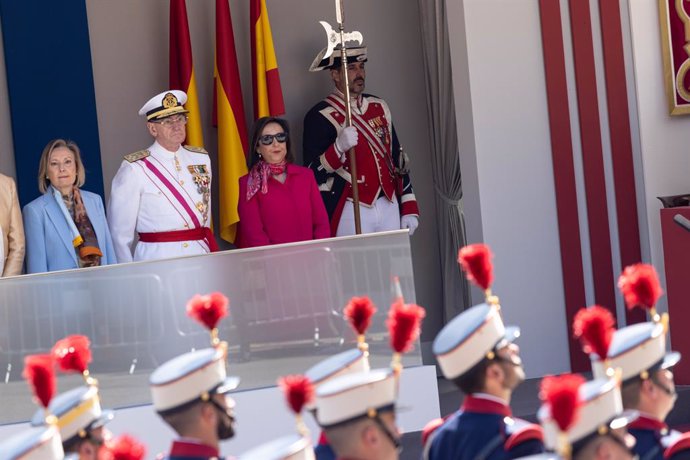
[[193, 148], [136, 156]]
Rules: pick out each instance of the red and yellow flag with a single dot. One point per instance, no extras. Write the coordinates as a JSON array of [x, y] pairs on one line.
[[268, 95], [232, 130], [182, 69]]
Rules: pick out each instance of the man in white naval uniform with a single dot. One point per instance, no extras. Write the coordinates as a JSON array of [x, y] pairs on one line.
[[162, 193]]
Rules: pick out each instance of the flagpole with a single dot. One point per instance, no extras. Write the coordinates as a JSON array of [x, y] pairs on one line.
[[339, 12]]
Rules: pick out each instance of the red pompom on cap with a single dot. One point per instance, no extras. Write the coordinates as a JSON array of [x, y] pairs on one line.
[[640, 286], [73, 353], [475, 259], [358, 312], [404, 324], [594, 326], [561, 393], [124, 447], [208, 309], [298, 391], [39, 371]]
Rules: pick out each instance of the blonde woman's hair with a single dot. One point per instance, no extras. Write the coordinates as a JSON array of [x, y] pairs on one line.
[[43, 181]]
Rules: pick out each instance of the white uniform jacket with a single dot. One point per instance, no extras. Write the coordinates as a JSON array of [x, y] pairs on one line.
[[141, 201]]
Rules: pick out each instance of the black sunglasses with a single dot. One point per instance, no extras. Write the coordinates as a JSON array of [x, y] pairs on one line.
[[267, 139]]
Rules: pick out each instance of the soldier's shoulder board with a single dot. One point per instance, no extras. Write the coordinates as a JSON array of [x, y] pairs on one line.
[[195, 149], [136, 156]]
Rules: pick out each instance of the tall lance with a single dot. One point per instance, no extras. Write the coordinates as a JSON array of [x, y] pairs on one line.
[[335, 38]]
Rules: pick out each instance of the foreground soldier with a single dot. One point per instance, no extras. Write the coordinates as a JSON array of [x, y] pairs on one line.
[[357, 410], [42, 442], [358, 313], [190, 391], [584, 421], [298, 392], [80, 419], [357, 414], [476, 351], [640, 352]]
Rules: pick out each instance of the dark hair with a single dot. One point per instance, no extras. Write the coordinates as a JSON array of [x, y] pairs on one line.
[[474, 380], [258, 128]]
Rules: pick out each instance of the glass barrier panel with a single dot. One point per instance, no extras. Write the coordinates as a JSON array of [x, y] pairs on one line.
[[286, 307]]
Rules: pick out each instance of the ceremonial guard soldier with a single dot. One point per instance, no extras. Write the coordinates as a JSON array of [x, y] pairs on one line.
[[639, 351], [385, 190], [80, 419], [190, 391], [584, 420], [163, 193], [476, 351]]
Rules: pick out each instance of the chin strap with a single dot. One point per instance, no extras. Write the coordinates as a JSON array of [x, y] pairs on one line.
[[663, 387], [387, 432]]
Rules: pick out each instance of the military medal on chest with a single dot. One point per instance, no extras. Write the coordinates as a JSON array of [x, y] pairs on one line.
[[202, 180], [380, 128]]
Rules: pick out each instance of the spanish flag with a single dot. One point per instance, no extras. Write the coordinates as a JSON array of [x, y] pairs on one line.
[[232, 130], [268, 95], [182, 69]]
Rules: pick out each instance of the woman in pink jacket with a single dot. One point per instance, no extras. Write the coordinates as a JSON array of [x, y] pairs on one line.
[[279, 201]]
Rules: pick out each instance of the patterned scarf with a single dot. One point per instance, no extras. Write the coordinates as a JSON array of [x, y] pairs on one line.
[[87, 244], [258, 176]]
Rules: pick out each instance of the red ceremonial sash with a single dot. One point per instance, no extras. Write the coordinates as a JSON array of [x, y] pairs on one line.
[[202, 233], [362, 126], [173, 191]]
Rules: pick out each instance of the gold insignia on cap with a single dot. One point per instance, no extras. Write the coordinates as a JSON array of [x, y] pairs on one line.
[[169, 101]]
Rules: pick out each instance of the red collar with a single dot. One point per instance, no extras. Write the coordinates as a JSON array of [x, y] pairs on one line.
[[323, 440], [190, 448], [485, 406], [645, 422]]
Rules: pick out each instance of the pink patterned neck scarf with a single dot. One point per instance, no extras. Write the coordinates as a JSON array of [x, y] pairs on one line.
[[258, 176]]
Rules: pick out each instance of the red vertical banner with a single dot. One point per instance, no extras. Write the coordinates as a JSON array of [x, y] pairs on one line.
[[232, 130], [268, 94], [182, 69]]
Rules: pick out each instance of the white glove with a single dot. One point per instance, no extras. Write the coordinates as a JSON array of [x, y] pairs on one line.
[[409, 222], [346, 139]]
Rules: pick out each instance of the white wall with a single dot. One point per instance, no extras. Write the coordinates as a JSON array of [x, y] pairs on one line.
[[513, 178], [664, 140]]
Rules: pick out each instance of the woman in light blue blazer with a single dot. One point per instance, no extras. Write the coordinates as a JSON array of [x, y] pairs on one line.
[[66, 226]]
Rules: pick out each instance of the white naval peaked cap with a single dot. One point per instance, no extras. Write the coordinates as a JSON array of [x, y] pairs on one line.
[[347, 362], [189, 378], [291, 447], [35, 443], [165, 104], [470, 337], [637, 350], [77, 410], [601, 409], [354, 396]]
